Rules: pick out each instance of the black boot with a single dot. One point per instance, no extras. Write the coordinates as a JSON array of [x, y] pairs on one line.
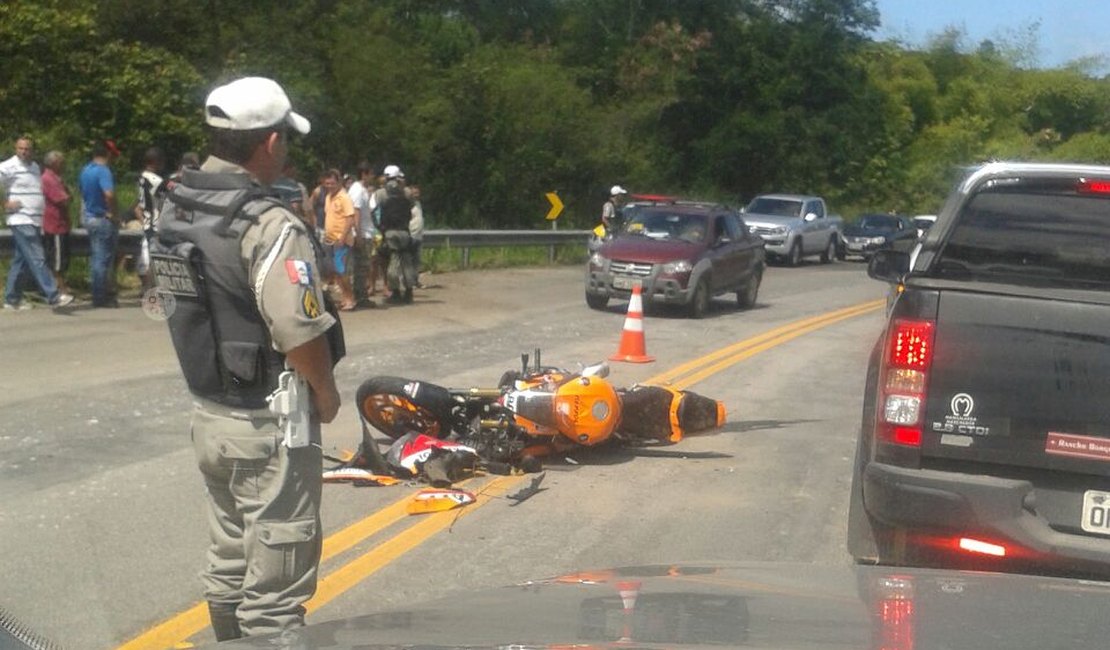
[[408, 296], [224, 621]]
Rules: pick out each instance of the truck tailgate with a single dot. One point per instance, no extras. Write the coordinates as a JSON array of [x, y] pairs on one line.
[[1004, 389]]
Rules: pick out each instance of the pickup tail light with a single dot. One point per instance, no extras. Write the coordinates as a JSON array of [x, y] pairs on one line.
[[1093, 186], [904, 378], [972, 545]]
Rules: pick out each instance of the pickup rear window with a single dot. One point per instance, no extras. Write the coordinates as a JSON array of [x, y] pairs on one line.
[[1038, 236], [777, 207]]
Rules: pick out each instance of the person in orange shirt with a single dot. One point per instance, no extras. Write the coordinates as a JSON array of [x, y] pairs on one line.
[[340, 223]]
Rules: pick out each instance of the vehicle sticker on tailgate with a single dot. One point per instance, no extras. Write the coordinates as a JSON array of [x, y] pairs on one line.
[[1070, 444], [961, 420]]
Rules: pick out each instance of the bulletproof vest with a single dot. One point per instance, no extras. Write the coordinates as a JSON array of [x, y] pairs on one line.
[[221, 340], [396, 211]]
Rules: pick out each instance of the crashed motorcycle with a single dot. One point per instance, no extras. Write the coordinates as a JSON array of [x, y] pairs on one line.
[[531, 413]]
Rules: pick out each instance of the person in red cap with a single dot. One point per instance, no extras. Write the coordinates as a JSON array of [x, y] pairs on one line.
[[101, 220]]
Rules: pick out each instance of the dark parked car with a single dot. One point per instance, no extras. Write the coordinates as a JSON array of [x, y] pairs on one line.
[[680, 253], [923, 222], [986, 423], [874, 232]]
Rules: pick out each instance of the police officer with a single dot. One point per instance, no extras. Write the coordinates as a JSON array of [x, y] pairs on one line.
[[611, 210], [239, 278], [394, 206]]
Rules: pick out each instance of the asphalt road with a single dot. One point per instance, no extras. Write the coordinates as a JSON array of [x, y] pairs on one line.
[[102, 522]]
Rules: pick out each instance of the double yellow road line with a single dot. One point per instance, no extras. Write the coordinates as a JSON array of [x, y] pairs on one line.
[[692, 372], [175, 632]]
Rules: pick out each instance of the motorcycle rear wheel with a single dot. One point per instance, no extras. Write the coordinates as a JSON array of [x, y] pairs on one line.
[[397, 406]]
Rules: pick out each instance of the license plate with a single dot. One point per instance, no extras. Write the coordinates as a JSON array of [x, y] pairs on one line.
[[1096, 512], [623, 282], [855, 247]]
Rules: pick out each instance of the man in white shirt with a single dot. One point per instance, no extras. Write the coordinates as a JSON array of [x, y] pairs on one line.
[[366, 267], [21, 178]]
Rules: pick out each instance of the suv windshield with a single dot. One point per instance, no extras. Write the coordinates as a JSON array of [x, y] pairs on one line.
[[778, 207], [659, 224], [1039, 238], [879, 222]]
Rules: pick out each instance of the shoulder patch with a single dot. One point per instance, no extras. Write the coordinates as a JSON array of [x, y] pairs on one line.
[[299, 272], [310, 304]]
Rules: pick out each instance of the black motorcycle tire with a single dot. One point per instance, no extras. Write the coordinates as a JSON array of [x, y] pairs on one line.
[[397, 406]]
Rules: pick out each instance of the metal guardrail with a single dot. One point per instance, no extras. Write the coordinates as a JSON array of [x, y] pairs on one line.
[[467, 239], [130, 240]]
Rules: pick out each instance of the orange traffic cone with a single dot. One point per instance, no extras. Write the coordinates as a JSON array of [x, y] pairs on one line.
[[629, 591], [632, 348]]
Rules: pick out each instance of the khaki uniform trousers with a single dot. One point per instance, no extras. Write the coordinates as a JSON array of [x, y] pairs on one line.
[[263, 517], [401, 272]]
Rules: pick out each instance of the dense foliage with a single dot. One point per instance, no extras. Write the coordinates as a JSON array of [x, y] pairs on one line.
[[488, 104]]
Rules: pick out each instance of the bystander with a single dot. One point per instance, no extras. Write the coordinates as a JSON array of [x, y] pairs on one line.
[[55, 218], [99, 216], [21, 178]]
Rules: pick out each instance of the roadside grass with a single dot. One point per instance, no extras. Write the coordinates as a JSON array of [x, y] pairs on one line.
[[433, 260]]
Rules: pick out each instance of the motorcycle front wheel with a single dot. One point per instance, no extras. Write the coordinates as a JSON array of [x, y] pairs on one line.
[[397, 406]]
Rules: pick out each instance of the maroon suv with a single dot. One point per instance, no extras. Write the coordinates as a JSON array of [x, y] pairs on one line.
[[681, 253]]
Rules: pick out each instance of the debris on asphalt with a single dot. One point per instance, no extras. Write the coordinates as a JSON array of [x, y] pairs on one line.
[[529, 491], [438, 500]]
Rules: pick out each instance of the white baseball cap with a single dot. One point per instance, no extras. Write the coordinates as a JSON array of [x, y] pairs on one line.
[[252, 103], [617, 189], [392, 171]]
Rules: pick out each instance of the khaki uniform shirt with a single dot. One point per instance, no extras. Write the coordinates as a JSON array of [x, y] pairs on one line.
[[283, 269]]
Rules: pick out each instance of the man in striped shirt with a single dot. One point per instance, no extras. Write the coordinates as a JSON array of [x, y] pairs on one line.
[[55, 217], [21, 178]]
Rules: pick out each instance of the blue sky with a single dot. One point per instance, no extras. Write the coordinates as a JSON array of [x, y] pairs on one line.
[[1068, 30]]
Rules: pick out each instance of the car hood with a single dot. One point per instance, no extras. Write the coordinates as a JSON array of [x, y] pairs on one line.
[[637, 248], [766, 605], [859, 231], [770, 220]]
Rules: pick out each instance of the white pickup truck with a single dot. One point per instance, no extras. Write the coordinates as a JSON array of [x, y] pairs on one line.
[[795, 225]]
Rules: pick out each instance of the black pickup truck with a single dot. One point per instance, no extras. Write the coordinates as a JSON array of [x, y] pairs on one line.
[[986, 420]]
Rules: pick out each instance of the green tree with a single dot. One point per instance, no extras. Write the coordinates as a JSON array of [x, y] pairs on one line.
[[67, 84], [507, 125]]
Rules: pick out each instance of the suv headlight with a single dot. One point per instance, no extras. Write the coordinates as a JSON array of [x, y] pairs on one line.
[[878, 240], [681, 266], [597, 259], [780, 230]]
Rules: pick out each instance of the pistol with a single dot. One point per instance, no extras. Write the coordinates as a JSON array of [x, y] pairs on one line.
[[290, 402]]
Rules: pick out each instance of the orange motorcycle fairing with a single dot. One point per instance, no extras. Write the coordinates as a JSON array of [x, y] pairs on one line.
[[587, 410]]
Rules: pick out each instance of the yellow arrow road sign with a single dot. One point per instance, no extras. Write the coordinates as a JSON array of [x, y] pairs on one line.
[[556, 206]]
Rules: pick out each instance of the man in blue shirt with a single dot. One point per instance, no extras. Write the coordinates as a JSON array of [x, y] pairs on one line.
[[99, 216]]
